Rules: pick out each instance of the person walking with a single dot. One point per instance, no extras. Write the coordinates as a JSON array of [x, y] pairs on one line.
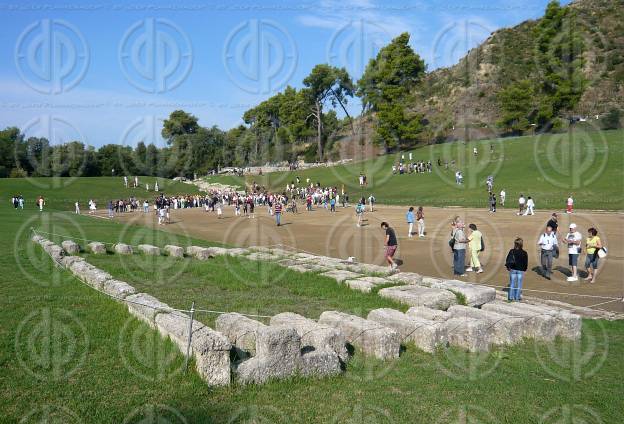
[[359, 212], [459, 243], [570, 204], [77, 208], [573, 241], [475, 242], [409, 217], [549, 246], [530, 205], [371, 202], [502, 197], [516, 262], [278, 212], [391, 245], [420, 218], [593, 245], [40, 203], [521, 204], [553, 223]]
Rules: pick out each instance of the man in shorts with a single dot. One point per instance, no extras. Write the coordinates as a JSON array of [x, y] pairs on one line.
[[391, 245]]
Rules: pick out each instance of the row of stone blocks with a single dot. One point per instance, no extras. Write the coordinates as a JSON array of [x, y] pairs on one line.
[[210, 348]]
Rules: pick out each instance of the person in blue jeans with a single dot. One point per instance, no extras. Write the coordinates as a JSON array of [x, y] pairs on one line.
[[516, 263], [278, 212]]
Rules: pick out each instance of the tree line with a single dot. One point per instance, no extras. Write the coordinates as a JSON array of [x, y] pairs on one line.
[[305, 122]]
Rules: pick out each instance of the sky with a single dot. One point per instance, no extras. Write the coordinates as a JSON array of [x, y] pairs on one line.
[[112, 71]]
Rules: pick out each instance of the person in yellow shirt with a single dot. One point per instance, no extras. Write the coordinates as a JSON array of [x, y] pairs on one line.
[[592, 245], [474, 242]]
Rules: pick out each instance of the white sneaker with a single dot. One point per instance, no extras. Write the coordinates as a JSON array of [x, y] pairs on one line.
[[572, 279], [469, 269], [480, 271]]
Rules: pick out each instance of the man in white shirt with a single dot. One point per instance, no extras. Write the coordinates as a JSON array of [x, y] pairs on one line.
[[573, 240], [521, 204], [530, 205], [548, 243], [502, 197]]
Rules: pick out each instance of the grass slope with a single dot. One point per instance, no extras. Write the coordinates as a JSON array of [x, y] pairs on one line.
[[61, 193], [70, 354], [588, 164]]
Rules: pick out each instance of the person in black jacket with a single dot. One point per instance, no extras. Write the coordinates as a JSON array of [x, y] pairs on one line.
[[516, 263]]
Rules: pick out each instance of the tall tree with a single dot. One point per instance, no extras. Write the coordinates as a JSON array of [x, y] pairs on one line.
[[326, 84], [179, 123], [386, 89]]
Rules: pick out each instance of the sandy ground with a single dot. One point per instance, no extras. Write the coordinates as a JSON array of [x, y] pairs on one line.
[[336, 235]]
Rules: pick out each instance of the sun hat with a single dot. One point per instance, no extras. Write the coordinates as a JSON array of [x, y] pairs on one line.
[[573, 225]]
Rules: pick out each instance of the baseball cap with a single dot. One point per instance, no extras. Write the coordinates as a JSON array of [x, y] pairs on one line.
[[573, 225]]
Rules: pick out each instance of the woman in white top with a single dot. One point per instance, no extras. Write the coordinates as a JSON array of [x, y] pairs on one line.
[[573, 240]]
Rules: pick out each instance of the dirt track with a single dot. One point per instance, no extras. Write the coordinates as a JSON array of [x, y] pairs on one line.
[[336, 235]]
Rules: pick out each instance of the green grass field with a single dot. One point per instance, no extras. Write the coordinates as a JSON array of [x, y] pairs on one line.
[[61, 193], [71, 354], [588, 164]]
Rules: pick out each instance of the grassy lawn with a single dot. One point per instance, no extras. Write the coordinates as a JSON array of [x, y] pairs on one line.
[[78, 356], [61, 193], [590, 165]]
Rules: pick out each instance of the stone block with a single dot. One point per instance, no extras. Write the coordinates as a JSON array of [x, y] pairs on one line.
[[123, 249], [470, 334], [67, 261], [504, 329], [427, 313], [71, 247], [341, 275], [119, 289], [146, 307], [535, 325], [426, 335], [369, 337], [198, 252], [319, 363], [567, 325], [278, 351], [96, 247], [174, 251], [317, 336], [240, 330], [366, 284], [420, 296], [406, 278], [475, 295], [148, 249]]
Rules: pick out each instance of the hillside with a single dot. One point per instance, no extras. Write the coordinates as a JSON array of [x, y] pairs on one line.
[[467, 94], [548, 167]]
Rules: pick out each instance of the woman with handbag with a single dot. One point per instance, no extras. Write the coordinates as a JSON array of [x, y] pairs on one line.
[[516, 263], [593, 246]]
